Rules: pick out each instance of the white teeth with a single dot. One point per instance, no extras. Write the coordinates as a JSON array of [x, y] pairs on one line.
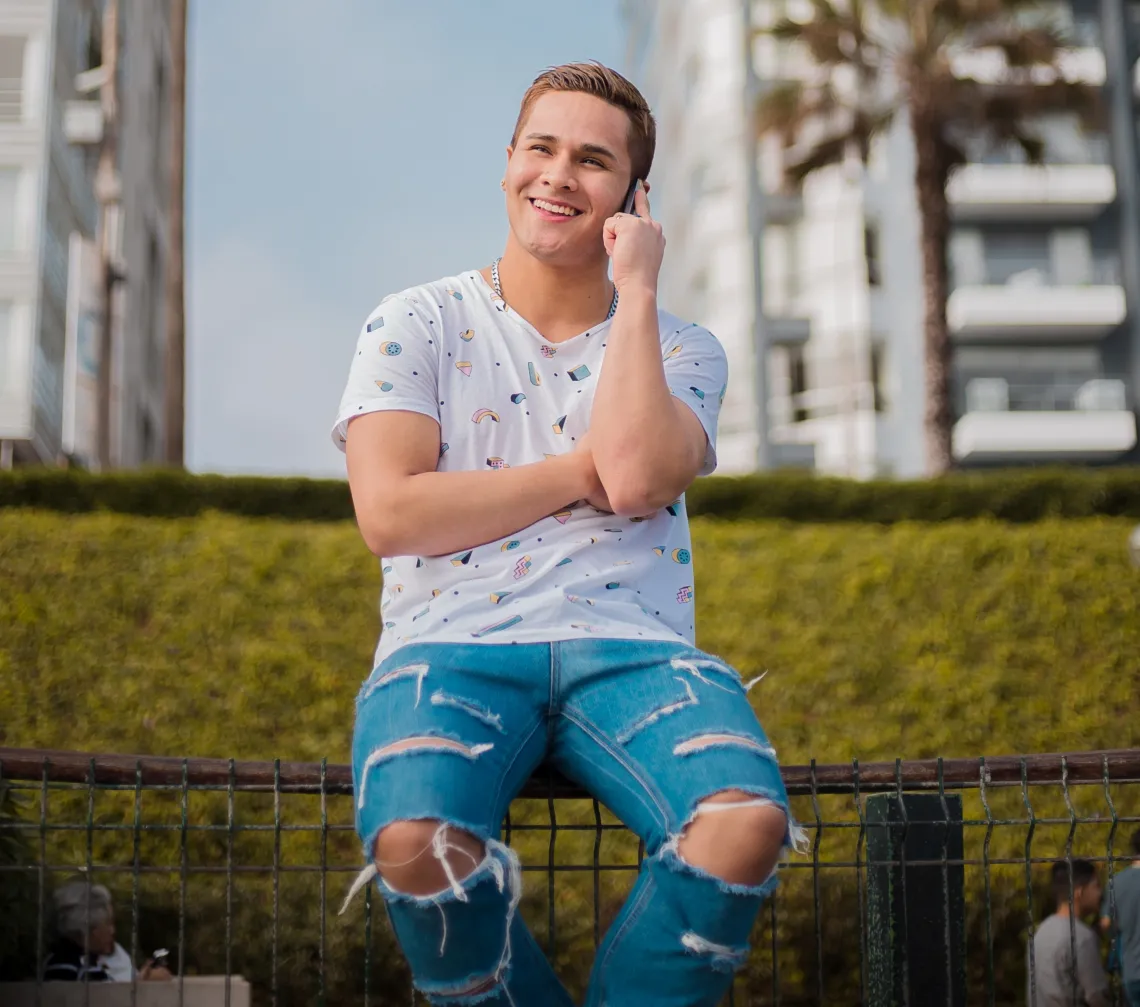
[[566, 211]]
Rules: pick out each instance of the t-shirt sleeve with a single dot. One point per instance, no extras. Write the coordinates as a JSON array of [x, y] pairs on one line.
[[395, 365], [696, 369]]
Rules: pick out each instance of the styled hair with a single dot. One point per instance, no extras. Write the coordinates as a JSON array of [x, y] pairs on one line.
[[80, 907], [609, 85], [1084, 872], [1136, 843]]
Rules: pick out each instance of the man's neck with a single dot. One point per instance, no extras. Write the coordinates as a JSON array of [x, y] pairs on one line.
[[559, 302]]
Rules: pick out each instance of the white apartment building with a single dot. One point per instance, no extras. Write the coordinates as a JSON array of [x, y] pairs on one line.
[[817, 295], [50, 313]]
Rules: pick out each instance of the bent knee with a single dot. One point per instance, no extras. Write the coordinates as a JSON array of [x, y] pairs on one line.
[[424, 856], [735, 838]]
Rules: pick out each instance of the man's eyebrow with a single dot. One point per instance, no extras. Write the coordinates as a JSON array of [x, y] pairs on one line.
[[586, 148]]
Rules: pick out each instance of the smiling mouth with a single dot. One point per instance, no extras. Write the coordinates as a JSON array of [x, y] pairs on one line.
[[562, 211]]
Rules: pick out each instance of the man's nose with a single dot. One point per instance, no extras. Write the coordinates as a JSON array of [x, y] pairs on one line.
[[560, 175]]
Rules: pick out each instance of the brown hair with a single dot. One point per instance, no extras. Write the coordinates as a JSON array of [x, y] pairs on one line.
[[609, 85], [1081, 873]]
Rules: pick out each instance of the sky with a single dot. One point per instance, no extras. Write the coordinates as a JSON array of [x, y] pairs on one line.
[[336, 152]]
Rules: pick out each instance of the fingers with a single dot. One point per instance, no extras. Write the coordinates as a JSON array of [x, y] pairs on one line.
[[641, 203]]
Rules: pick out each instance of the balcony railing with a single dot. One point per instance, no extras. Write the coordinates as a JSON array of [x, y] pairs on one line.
[[1103, 271], [998, 395], [820, 403], [238, 868], [1030, 301], [1092, 149], [11, 99]]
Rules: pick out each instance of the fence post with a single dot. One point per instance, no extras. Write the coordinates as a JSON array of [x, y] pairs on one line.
[[916, 932]]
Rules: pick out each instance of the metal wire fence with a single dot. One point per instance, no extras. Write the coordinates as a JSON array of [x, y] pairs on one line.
[[924, 882]]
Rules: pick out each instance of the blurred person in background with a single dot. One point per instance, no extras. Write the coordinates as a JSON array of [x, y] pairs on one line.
[[1120, 919], [85, 949], [1059, 981], [527, 504]]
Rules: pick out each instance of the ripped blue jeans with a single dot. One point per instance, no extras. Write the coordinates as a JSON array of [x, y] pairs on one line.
[[451, 732]]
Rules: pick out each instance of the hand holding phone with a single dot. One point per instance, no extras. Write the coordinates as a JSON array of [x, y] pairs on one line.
[[636, 250], [627, 206]]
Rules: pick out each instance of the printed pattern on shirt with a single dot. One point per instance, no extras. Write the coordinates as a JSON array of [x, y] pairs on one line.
[[503, 397]]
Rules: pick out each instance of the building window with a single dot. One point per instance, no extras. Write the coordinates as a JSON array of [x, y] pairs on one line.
[[158, 124], [797, 382], [6, 346], [878, 376], [1019, 257], [871, 252], [153, 311], [12, 77], [9, 187], [146, 436]]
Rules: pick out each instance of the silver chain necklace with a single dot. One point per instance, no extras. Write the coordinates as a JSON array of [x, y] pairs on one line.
[[499, 288]]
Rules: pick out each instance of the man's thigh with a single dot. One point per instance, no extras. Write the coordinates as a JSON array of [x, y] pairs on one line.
[[651, 729], [448, 732]]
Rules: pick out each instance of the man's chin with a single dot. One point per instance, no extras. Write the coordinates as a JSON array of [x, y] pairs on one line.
[[563, 253]]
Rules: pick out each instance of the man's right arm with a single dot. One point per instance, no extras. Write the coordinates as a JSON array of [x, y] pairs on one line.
[[404, 507]]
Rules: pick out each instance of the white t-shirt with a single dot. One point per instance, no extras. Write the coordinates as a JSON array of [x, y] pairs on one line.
[[503, 396], [118, 964]]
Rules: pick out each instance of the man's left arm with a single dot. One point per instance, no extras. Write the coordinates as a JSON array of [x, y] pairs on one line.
[[648, 445]]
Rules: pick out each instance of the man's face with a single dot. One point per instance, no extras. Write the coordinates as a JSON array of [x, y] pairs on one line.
[[102, 939], [568, 172], [1087, 897]]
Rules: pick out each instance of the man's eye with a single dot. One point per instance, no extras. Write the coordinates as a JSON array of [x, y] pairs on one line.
[[539, 146]]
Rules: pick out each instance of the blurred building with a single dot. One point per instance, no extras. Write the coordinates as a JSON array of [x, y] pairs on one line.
[[1045, 261], [51, 127]]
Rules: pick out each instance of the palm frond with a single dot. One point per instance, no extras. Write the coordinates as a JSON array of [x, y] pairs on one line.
[[998, 115], [828, 151], [854, 138], [788, 107], [1026, 47], [833, 37], [1013, 103], [966, 14]]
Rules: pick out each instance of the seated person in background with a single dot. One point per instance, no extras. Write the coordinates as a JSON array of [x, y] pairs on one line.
[[85, 949], [1054, 979]]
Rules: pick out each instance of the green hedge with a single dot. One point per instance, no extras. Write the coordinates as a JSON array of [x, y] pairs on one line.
[[248, 638], [960, 638], [1015, 496]]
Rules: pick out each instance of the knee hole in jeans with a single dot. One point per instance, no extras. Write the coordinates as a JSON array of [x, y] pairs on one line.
[[412, 858], [740, 843]]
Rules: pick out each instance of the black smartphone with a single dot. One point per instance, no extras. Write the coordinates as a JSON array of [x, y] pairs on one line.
[[628, 205]]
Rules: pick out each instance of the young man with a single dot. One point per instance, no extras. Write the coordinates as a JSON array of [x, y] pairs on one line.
[[1054, 979], [1120, 917], [519, 440]]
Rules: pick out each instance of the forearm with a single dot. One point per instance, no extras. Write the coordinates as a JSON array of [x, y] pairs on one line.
[[635, 427], [435, 513]]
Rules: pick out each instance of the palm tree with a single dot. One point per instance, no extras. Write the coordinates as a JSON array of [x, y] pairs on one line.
[[906, 56]]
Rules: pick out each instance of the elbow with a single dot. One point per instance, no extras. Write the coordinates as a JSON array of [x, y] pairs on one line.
[[380, 543], [630, 498], [382, 534]]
